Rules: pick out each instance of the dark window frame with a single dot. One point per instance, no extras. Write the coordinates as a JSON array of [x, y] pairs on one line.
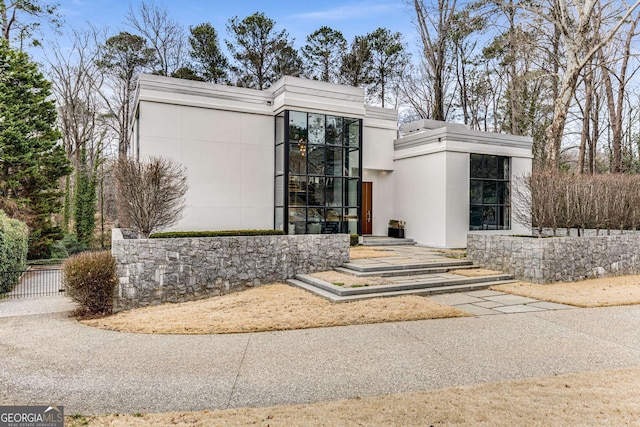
[[489, 192], [322, 211]]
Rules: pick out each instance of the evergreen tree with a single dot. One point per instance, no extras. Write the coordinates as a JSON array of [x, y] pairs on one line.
[[257, 50], [31, 158], [388, 59], [288, 62], [322, 53], [355, 64], [123, 57], [187, 73], [85, 205], [211, 64]]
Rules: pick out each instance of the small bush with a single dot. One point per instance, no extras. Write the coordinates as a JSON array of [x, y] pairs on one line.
[[354, 240], [221, 233], [90, 279]]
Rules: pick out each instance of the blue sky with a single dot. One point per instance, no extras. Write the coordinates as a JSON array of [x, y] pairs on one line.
[[299, 18]]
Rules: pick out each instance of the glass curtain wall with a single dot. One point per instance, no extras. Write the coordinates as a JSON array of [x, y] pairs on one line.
[[489, 193], [318, 156]]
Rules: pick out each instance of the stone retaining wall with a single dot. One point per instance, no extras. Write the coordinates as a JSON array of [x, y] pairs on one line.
[[154, 271], [557, 259]]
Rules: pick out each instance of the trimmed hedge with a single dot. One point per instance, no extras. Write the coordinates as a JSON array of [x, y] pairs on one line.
[[14, 244], [221, 233], [354, 240], [90, 279]]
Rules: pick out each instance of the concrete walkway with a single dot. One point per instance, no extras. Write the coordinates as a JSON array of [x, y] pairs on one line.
[[487, 302], [50, 358]]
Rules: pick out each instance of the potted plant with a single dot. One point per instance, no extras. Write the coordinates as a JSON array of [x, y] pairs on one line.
[[396, 228]]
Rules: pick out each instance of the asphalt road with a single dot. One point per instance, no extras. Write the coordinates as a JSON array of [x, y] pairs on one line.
[[50, 358]]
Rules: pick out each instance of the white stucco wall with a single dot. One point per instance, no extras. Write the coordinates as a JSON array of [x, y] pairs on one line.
[[229, 157], [380, 129], [457, 200], [419, 197]]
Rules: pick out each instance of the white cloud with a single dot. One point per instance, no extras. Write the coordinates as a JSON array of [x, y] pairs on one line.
[[356, 10]]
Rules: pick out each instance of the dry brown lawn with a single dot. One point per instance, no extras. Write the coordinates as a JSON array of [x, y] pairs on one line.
[[592, 398], [349, 281], [269, 308], [475, 272], [364, 252], [602, 292]]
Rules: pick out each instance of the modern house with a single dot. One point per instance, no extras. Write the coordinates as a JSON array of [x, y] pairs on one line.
[[310, 157]]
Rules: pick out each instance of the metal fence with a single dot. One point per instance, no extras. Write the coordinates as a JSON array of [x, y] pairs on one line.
[[34, 282]]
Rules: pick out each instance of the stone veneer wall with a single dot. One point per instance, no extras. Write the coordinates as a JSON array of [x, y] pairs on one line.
[[154, 271], [556, 259]]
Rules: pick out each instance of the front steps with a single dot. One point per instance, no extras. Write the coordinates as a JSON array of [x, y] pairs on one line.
[[386, 241], [425, 278]]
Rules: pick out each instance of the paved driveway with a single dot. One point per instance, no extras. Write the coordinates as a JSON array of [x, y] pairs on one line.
[[50, 358]]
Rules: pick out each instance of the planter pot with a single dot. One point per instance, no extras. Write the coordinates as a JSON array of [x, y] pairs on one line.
[[396, 232]]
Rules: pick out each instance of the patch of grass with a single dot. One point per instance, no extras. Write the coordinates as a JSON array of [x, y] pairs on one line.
[[349, 281], [50, 261], [365, 252], [475, 272], [601, 292], [338, 283], [592, 398], [76, 420], [270, 308]]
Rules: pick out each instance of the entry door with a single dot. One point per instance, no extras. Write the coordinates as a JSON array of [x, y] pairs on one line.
[[367, 205]]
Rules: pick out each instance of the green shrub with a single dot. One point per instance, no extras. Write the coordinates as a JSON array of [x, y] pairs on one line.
[[90, 279], [354, 240], [221, 233], [14, 245], [67, 246]]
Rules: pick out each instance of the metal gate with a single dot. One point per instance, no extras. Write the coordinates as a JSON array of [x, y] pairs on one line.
[[34, 282]]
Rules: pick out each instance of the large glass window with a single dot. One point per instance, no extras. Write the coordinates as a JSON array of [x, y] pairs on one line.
[[322, 157], [490, 207]]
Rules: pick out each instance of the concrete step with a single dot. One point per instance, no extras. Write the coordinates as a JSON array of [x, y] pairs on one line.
[[452, 264], [410, 272], [386, 241], [424, 292], [399, 287]]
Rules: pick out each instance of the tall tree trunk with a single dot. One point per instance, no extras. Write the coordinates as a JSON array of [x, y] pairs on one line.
[[595, 133], [513, 97], [616, 105], [586, 117]]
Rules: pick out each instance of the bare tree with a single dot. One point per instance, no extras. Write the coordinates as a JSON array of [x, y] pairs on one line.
[[581, 38], [76, 83], [151, 193], [615, 102], [433, 29], [164, 35]]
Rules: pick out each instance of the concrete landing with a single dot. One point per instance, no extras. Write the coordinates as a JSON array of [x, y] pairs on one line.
[[487, 302]]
